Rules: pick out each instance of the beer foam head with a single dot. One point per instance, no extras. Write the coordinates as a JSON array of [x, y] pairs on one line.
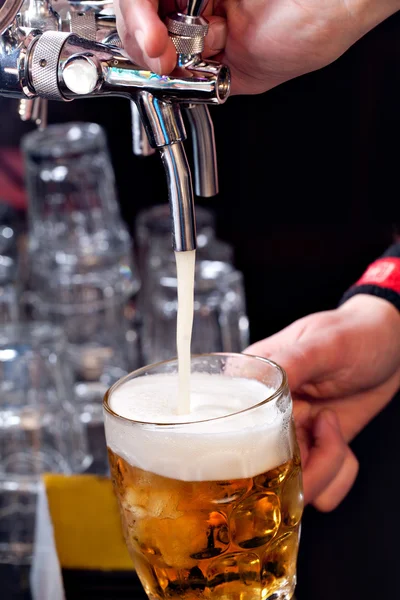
[[219, 439]]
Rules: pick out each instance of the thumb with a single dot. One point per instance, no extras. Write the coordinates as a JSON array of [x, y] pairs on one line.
[[298, 359], [144, 35]]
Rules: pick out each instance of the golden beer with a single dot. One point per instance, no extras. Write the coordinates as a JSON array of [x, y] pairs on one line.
[[212, 539], [223, 539]]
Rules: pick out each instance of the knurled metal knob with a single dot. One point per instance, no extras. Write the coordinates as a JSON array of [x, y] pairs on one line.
[[83, 25], [188, 45], [188, 26], [44, 64], [187, 33]]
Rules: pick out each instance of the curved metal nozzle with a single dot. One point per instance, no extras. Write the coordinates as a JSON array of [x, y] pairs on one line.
[[180, 197], [166, 131]]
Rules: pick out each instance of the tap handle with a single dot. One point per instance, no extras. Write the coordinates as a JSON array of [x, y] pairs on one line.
[[204, 151], [188, 32]]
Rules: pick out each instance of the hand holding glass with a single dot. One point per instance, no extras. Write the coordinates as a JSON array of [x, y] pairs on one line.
[[210, 501]]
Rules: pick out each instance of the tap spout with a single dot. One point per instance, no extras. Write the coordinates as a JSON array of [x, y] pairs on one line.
[[180, 196], [165, 129]]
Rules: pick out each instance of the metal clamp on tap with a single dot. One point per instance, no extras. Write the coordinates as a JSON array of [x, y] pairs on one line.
[[71, 49]]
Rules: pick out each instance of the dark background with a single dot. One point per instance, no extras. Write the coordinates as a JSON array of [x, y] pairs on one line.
[[309, 178]]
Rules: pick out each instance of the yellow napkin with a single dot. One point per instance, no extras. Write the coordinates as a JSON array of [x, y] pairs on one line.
[[86, 523]]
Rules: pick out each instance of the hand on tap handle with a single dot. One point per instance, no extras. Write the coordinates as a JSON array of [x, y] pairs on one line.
[[146, 39], [264, 42]]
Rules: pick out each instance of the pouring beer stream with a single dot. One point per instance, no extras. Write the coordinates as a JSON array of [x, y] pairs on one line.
[[185, 267]]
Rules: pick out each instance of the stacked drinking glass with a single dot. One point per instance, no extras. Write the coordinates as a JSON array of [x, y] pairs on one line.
[[81, 272], [220, 319]]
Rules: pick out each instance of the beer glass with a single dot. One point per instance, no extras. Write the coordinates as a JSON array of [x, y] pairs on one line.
[[39, 429], [210, 501], [81, 275], [75, 223]]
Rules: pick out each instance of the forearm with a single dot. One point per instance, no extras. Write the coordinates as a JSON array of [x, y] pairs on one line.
[[374, 301]]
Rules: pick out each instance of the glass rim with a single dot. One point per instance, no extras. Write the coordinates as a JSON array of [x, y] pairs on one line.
[[142, 370]]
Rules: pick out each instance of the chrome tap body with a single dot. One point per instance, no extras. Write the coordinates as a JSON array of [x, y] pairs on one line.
[[74, 52]]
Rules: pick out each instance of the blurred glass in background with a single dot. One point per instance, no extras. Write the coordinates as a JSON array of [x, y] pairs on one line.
[[153, 244], [40, 429], [114, 298], [220, 322], [10, 236], [81, 270]]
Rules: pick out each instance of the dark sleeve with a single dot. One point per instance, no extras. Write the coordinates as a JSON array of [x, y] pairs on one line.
[[382, 278]]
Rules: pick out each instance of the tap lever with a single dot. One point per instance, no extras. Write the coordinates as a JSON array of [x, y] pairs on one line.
[[188, 32], [204, 150]]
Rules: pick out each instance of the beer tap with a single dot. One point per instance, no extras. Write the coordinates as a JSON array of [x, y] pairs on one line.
[[188, 33], [63, 50]]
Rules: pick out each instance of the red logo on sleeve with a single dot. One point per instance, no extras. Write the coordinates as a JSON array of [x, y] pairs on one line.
[[384, 272]]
